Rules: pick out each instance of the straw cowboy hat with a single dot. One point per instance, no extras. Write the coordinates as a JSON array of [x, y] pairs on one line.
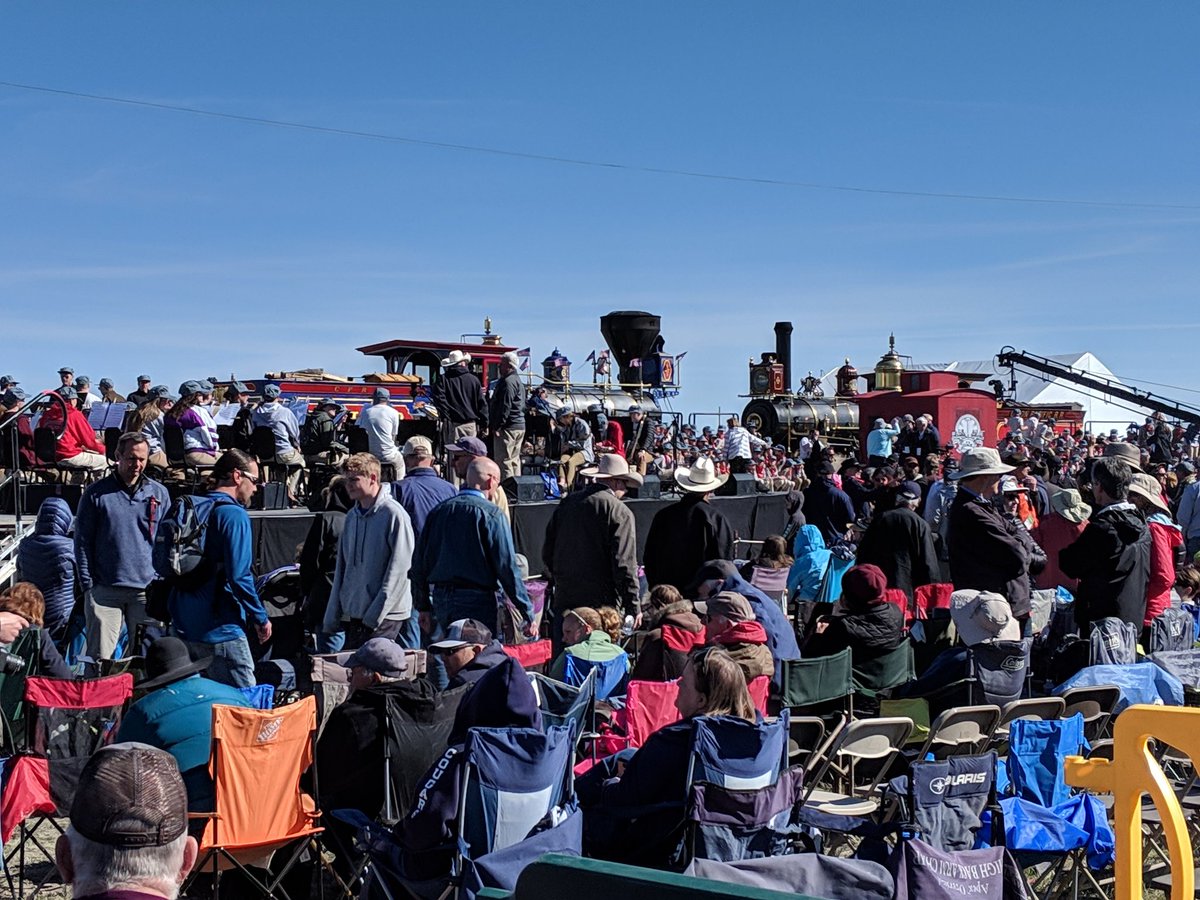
[[701, 478], [981, 461], [455, 357], [1069, 504], [1148, 487], [610, 465]]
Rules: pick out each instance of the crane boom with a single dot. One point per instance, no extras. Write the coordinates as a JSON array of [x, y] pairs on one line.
[[1181, 411]]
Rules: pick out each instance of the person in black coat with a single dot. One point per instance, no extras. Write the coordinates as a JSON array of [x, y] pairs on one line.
[[685, 535], [318, 560], [827, 506], [984, 554], [863, 620], [1111, 558], [901, 544]]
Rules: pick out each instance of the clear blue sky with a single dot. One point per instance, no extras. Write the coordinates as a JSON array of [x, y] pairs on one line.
[[137, 239]]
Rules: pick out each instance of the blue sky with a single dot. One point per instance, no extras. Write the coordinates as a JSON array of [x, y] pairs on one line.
[[134, 238]]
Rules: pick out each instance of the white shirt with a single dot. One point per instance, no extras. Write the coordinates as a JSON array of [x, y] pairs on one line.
[[381, 423], [739, 443]]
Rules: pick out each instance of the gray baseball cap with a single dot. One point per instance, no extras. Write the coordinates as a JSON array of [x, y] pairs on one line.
[[382, 656]]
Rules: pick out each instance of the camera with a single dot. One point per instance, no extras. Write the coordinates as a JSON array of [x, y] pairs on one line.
[[10, 664]]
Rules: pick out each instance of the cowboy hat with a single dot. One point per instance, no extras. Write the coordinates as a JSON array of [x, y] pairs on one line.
[[168, 661], [981, 461], [610, 465], [1069, 504], [456, 357], [1147, 486], [701, 478], [1126, 453]]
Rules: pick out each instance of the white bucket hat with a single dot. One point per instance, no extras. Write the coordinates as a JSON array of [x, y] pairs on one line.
[[610, 465], [982, 617], [981, 461], [701, 478], [455, 357], [1147, 486]]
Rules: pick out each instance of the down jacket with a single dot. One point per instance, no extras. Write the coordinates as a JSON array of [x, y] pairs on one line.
[[670, 635], [1111, 559], [47, 559]]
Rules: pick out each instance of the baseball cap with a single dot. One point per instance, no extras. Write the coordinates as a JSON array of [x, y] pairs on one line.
[[472, 445], [105, 383], [162, 392], [463, 633], [271, 391], [130, 795], [66, 370], [380, 655], [143, 379], [381, 393], [417, 445], [729, 604], [13, 396], [82, 381], [9, 379], [188, 388]]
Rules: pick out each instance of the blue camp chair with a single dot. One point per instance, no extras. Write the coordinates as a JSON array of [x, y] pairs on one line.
[[1045, 826], [563, 704], [611, 674], [733, 753]]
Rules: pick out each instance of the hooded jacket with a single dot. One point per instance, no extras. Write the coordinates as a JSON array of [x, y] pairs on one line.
[[984, 554], [374, 555], [458, 396], [1111, 559], [781, 636], [486, 660], [811, 562], [746, 642], [1165, 536], [46, 559], [502, 698], [590, 551], [671, 633]]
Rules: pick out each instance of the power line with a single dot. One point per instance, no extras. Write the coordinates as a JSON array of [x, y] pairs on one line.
[[591, 163]]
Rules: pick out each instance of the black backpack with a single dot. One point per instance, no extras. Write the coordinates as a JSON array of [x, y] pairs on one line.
[[178, 553]]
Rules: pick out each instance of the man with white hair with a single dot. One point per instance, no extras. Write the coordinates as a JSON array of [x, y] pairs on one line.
[[506, 417], [128, 835]]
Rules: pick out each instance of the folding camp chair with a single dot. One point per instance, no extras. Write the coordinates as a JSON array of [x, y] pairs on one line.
[[1001, 669], [67, 721], [963, 731], [562, 704], [819, 686], [772, 582], [649, 705], [1172, 629], [876, 674], [177, 458], [27, 648], [944, 800], [1113, 642], [1037, 708], [612, 675], [257, 761]]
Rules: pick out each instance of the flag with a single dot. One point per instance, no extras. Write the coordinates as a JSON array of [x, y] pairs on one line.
[[523, 355], [635, 363], [591, 357], [681, 356], [604, 354]]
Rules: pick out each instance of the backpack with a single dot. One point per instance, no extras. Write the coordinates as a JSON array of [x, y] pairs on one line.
[[1113, 642], [178, 553]]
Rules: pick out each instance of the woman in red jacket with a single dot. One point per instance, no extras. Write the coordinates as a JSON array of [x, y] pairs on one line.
[[1068, 517], [1146, 494]]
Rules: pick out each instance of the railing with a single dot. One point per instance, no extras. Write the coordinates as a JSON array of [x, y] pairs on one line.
[[11, 483]]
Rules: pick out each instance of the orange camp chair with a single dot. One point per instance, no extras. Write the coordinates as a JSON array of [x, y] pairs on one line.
[[257, 760]]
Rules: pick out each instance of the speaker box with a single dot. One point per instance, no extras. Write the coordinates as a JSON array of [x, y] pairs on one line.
[[651, 489], [37, 492], [524, 488], [270, 495], [738, 485]]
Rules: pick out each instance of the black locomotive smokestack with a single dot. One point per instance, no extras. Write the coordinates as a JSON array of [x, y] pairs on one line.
[[783, 352], [631, 336]]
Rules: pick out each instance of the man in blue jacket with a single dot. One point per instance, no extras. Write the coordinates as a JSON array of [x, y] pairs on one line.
[[114, 534], [176, 715], [421, 488], [212, 616]]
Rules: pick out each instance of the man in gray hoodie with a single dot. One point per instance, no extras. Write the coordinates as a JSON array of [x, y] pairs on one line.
[[371, 595]]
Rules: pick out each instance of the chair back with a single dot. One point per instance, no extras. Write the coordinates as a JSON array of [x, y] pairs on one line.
[[1172, 629], [1001, 668], [929, 597], [611, 674], [562, 704], [512, 779], [805, 736], [946, 798], [259, 696], [732, 824], [173, 445], [357, 440], [736, 754], [820, 679], [416, 729], [1113, 642], [887, 670], [649, 706], [772, 582], [1035, 757], [1095, 704], [27, 648], [759, 689], [864, 739], [68, 721], [45, 445], [262, 443], [257, 761], [1036, 708], [962, 731]]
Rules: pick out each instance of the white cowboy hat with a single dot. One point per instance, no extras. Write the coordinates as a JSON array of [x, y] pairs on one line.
[[455, 357], [702, 477], [611, 465], [981, 461]]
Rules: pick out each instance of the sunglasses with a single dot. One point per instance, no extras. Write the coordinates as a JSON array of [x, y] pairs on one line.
[[253, 479]]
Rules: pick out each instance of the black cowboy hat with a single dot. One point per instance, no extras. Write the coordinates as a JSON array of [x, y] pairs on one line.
[[168, 661]]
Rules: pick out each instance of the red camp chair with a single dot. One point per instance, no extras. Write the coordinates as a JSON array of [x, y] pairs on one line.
[[649, 705], [66, 722], [760, 688], [929, 597]]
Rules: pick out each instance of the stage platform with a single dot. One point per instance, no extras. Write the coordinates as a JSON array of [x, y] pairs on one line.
[[278, 535]]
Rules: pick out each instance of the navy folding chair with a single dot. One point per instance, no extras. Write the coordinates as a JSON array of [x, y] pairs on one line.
[[737, 754], [564, 704], [611, 674]]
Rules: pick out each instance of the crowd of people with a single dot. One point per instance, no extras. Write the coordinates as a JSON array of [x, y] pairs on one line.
[[404, 557]]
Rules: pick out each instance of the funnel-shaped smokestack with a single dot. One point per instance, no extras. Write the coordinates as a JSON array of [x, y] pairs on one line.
[[630, 336], [783, 352]]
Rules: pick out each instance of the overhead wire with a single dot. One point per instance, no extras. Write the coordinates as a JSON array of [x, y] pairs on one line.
[[591, 163]]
